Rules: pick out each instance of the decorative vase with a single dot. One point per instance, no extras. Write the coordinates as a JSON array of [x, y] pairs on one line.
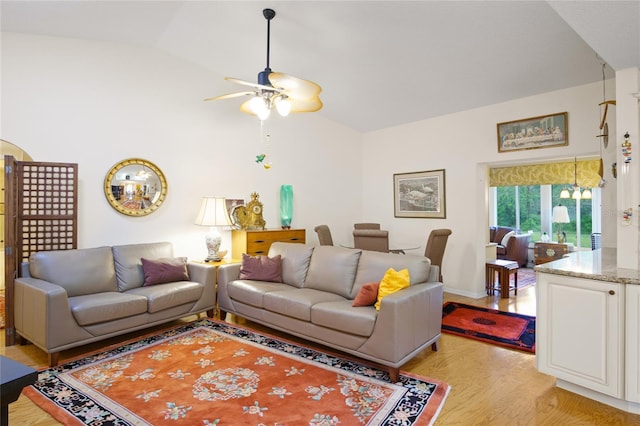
[[286, 206]]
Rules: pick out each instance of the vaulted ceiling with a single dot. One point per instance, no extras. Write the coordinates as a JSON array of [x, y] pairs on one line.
[[380, 63]]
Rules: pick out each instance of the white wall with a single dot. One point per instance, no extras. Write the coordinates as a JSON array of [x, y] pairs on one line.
[[464, 144], [95, 104]]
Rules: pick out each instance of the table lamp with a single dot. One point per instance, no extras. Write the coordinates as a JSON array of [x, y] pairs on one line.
[[560, 216], [213, 213]]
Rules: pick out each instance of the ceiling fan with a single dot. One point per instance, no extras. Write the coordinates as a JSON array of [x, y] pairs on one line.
[[283, 92]]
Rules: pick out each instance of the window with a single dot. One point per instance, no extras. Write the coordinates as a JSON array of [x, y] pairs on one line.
[[529, 208]]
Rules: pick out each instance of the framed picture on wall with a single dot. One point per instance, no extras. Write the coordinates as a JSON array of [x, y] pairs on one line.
[[420, 194], [544, 131], [232, 205]]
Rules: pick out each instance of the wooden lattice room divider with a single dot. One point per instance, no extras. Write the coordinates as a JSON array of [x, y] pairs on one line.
[[41, 202]]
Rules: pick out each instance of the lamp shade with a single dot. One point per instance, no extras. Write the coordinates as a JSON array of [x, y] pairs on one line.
[[213, 212], [560, 214]]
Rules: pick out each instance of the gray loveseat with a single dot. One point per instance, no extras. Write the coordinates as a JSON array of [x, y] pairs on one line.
[[314, 301], [67, 298]]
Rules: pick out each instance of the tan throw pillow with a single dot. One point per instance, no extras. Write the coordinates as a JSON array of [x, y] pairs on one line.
[[367, 295], [261, 268], [164, 270]]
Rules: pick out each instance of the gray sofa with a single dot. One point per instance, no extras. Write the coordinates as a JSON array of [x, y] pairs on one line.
[[67, 298], [314, 301]]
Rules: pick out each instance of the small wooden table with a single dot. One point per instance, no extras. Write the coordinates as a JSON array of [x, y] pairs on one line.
[[13, 377], [504, 268]]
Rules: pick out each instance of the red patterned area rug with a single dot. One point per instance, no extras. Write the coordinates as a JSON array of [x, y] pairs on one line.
[[506, 329], [209, 372], [526, 277]]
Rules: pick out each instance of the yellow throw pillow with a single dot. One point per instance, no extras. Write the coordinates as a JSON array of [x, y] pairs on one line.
[[391, 282]]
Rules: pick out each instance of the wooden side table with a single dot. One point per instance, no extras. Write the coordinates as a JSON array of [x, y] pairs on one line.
[[504, 269], [216, 265], [13, 377]]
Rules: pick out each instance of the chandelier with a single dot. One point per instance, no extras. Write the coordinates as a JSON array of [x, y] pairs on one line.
[[576, 195]]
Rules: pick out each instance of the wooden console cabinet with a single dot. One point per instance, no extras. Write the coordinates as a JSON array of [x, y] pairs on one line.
[[258, 242], [548, 252]]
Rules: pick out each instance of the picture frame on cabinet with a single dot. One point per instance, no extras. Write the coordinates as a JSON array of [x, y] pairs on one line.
[[232, 204], [420, 194], [544, 131]]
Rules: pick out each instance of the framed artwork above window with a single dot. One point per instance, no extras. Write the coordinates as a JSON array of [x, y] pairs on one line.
[[544, 131]]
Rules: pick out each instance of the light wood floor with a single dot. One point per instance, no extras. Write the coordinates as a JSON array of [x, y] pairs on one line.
[[490, 385]]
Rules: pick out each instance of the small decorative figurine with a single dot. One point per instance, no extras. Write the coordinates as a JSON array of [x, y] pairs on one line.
[[626, 148], [250, 216]]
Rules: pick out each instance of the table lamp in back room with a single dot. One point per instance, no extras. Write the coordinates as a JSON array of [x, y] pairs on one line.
[[560, 216]]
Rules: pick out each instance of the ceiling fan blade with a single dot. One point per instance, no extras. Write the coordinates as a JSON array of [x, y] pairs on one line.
[[254, 85], [305, 105], [230, 96], [294, 87]]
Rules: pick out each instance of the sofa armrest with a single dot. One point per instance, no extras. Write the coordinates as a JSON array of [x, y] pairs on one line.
[[226, 274], [43, 315], [203, 274], [408, 319]]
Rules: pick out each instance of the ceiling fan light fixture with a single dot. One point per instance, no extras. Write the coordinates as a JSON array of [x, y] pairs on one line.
[[586, 194], [260, 107], [565, 193], [283, 105], [286, 93]]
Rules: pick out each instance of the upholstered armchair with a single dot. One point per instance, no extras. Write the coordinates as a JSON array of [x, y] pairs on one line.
[[511, 244]]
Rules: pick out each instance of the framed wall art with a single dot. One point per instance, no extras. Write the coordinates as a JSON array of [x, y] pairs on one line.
[[544, 131], [420, 194], [232, 205]]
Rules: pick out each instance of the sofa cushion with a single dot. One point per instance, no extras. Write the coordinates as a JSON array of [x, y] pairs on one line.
[[391, 282], [108, 306], [297, 302], [367, 295], [80, 271], [165, 270], [333, 269], [295, 260], [373, 265], [252, 292], [169, 295], [128, 265], [261, 268], [340, 316]]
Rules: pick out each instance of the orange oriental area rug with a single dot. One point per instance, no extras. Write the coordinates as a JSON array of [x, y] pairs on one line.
[[213, 373]]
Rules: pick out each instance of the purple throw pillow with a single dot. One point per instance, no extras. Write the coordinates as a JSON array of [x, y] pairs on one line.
[[261, 268], [164, 270]]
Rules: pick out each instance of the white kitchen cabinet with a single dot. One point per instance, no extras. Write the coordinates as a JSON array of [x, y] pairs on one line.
[[632, 359], [580, 335]]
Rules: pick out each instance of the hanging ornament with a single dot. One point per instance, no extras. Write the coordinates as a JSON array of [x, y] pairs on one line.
[[265, 138], [627, 213], [626, 149]]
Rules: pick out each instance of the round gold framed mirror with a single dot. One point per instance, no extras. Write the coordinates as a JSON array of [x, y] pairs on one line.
[[135, 187]]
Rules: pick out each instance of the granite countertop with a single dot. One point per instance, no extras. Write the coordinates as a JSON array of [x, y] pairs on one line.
[[598, 264]]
